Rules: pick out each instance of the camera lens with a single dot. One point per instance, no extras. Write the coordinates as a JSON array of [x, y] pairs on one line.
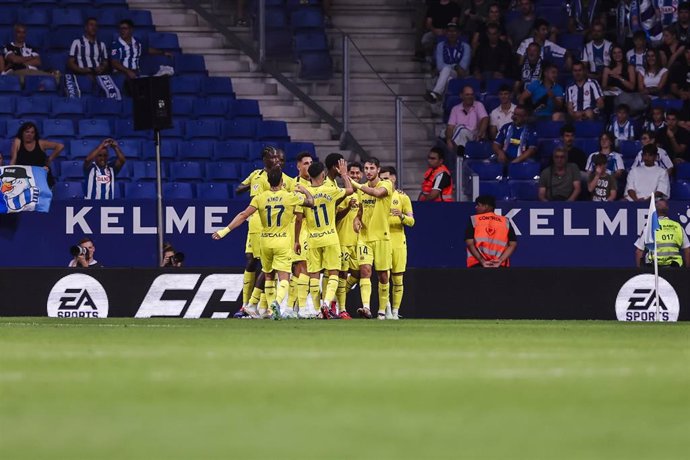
[[75, 250]]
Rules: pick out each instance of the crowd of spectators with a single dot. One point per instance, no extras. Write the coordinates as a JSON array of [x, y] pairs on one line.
[[624, 68]]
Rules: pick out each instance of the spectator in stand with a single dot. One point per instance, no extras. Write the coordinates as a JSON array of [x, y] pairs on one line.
[[672, 50], [627, 21], [561, 180], [452, 60], [438, 16], [602, 185], [619, 76], [545, 96], [549, 49], [674, 139], [89, 56], [126, 51], [651, 82], [100, 173], [596, 54], [680, 82], [480, 36], [530, 69], [29, 150], [637, 55], [575, 154], [468, 122], [657, 122], [584, 98], [503, 114], [438, 183], [682, 27], [622, 128], [473, 14], [516, 142], [520, 27], [614, 159], [494, 58], [663, 160], [648, 180], [20, 59]]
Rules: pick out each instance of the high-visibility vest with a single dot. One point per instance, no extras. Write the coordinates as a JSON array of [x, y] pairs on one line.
[[669, 240], [490, 237], [428, 183]]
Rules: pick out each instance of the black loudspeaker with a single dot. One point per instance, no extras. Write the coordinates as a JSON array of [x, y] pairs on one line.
[[152, 105]]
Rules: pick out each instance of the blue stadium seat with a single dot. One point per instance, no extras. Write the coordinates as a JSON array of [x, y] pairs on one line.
[[52, 61], [196, 150], [8, 105], [183, 105], [140, 191], [185, 171], [68, 191], [150, 63], [217, 86], [210, 107], [68, 107], [71, 170], [548, 128], [169, 149], [310, 41], [33, 106], [164, 41], [197, 129], [34, 16], [178, 191], [62, 39], [291, 169], [9, 84], [494, 84], [497, 189], [141, 18], [292, 149], [239, 129], [57, 128], [143, 171], [298, 4], [587, 145], [629, 149], [456, 85], [222, 171], [37, 84], [212, 191], [487, 170], [315, 65], [177, 131], [572, 42], [682, 171], [105, 106], [525, 190], [257, 149], [8, 16], [131, 147], [76, 3], [80, 148], [125, 175], [244, 108], [306, 18], [668, 104], [67, 17], [475, 150], [527, 170], [98, 128], [546, 147], [491, 102], [187, 64], [589, 128], [189, 84], [125, 128], [272, 130], [231, 150], [246, 169], [680, 190], [109, 17]]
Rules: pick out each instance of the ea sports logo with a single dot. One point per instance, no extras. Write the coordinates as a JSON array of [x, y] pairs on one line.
[[77, 296], [636, 300]]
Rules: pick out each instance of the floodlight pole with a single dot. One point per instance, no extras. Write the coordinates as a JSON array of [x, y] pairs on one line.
[[159, 194]]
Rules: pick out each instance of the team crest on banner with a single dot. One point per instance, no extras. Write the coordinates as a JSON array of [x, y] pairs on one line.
[[24, 188]]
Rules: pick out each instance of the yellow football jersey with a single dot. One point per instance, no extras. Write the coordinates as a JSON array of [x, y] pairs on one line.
[[304, 183], [258, 182], [401, 202], [276, 211], [375, 214], [321, 218], [346, 231]]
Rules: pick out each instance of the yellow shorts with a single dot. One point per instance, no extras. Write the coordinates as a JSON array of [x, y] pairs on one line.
[[399, 260], [302, 256], [348, 258], [279, 259], [323, 258], [376, 253], [253, 245]]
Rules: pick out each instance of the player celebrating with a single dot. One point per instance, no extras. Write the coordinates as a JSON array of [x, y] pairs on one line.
[[374, 245], [347, 211], [276, 208], [401, 216], [299, 257], [323, 251]]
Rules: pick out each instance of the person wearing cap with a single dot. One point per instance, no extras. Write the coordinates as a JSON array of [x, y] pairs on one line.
[[453, 58], [489, 237]]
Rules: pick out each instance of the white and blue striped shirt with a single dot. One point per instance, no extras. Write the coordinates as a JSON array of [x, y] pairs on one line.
[[127, 53], [87, 54], [583, 97], [624, 132], [100, 183]]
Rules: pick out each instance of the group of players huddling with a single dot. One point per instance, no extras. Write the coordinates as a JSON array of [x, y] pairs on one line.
[[314, 237]]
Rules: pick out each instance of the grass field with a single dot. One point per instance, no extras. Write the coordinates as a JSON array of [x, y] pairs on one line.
[[191, 389]]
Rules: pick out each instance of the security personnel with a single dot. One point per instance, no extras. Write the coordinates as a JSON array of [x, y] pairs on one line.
[[489, 237], [671, 240], [437, 184]]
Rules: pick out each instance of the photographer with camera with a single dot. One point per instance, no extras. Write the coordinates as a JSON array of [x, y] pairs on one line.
[[82, 255], [100, 173], [170, 257]]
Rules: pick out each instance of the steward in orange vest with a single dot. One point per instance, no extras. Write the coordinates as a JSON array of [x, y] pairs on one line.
[[489, 237], [438, 183]]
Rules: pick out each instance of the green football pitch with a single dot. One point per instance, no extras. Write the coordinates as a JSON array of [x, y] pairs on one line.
[[239, 389]]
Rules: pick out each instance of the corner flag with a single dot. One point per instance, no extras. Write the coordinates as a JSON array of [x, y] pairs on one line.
[[652, 226]]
